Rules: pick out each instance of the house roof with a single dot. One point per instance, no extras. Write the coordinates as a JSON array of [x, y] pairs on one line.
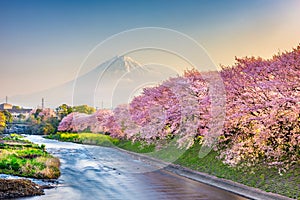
[[12, 109], [19, 111]]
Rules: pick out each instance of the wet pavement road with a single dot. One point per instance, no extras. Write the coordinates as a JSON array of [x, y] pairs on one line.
[[93, 172]]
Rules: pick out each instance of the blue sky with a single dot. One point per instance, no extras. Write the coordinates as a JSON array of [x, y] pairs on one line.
[[43, 42]]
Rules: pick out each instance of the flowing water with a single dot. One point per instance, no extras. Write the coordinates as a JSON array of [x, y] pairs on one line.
[[93, 172]]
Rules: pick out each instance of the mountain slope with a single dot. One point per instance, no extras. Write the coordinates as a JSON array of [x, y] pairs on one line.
[[112, 82]]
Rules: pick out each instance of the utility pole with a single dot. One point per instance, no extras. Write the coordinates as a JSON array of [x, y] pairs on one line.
[[6, 99], [43, 103]]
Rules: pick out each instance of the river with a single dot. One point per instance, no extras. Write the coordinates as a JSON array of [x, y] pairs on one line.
[[93, 172]]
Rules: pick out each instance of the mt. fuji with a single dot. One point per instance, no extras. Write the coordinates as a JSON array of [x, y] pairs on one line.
[[113, 82]]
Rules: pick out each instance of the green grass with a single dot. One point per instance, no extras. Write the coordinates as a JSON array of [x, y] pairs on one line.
[[168, 151], [23, 158], [260, 176], [102, 140], [86, 138], [138, 147]]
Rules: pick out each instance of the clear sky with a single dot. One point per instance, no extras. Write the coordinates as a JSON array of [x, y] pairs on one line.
[[43, 42]]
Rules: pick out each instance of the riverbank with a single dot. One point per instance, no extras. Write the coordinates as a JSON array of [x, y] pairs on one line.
[[22, 158], [261, 177], [212, 171], [225, 184]]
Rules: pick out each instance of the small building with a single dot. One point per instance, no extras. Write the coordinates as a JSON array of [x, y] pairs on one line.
[[17, 112], [6, 106]]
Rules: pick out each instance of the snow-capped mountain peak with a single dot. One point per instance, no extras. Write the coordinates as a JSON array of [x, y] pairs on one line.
[[110, 83], [124, 63]]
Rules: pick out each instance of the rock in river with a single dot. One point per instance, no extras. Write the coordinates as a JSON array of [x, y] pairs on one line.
[[12, 188]]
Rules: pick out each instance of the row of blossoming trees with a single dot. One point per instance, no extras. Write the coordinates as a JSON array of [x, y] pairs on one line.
[[258, 111]]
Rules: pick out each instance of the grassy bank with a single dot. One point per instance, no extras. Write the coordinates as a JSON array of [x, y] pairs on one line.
[[102, 140], [23, 158], [85, 138], [260, 176]]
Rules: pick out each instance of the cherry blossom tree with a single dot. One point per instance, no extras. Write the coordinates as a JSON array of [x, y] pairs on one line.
[[263, 110], [252, 108], [78, 122]]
